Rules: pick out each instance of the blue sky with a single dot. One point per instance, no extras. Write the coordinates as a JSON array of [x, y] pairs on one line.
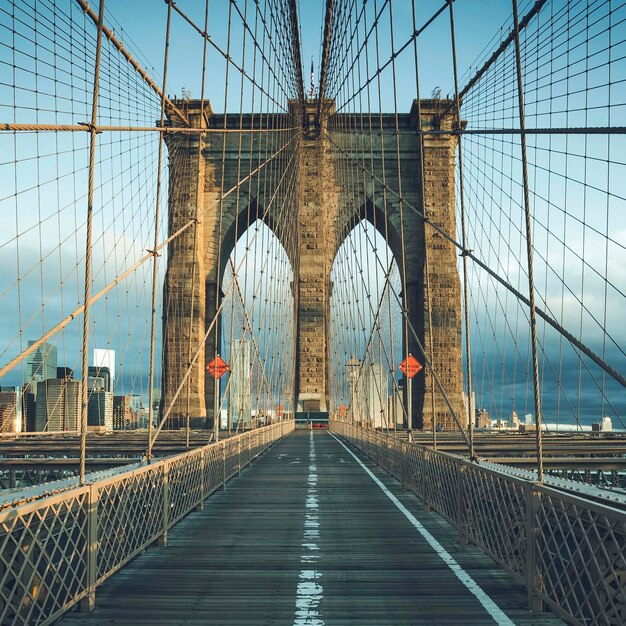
[[578, 184], [477, 24]]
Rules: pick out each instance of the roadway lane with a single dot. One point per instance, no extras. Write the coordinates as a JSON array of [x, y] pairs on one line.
[[307, 537]]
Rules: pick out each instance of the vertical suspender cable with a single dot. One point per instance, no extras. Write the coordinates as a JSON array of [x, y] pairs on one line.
[[529, 246], [216, 383], [157, 212], [405, 291], [197, 218], [468, 354], [423, 210], [92, 166]]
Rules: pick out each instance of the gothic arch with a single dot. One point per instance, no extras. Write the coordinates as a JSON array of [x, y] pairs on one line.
[[237, 220], [388, 224]]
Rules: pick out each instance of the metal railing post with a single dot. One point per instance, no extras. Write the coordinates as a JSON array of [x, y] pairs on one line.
[[404, 469], [460, 501], [411, 475], [384, 450], [426, 483], [200, 506], [223, 444], [419, 470], [88, 603], [239, 457], [162, 539], [533, 579]]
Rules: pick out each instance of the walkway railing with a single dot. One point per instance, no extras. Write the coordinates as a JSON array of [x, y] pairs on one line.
[[56, 550], [569, 552]]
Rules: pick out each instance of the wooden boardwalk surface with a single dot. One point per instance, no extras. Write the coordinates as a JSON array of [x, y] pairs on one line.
[[306, 537]]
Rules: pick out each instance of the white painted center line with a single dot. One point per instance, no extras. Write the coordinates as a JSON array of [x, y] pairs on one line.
[[488, 604], [310, 591]]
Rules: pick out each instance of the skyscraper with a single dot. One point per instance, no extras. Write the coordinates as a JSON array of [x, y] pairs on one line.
[[125, 417], [99, 378], [42, 363], [374, 387], [58, 404], [10, 409], [100, 410], [105, 358], [240, 404], [29, 411]]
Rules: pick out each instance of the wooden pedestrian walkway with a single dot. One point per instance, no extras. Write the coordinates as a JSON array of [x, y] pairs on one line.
[[311, 535]]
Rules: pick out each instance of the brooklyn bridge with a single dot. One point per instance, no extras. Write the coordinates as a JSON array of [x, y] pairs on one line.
[[338, 347]]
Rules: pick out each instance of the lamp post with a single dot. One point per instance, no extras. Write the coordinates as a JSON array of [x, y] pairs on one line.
[[353, 366]]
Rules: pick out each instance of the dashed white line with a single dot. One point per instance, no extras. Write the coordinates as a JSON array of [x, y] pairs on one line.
[[309, 592]]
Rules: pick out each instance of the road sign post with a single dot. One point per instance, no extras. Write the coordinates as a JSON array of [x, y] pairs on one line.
[[410, 367], [409, 414], [216, 409], [217, 368]]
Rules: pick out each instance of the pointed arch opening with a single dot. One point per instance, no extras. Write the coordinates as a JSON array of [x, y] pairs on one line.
[[256, 331], [366, 330]]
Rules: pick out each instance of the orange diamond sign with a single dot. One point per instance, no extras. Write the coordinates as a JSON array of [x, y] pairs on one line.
[[410, 366], [217, 367], [279, 410], [343, 410]]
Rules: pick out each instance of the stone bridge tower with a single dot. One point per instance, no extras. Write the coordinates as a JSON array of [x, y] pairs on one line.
[[203, 166]]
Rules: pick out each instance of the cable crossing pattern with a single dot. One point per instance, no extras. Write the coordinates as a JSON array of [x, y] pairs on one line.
[[312, 239]]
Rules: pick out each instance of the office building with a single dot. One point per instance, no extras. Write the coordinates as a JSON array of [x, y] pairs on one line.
[[10, 409], [136, 404], [240, 404], [396, 412], [29, 410], [99, 378], [125, 417], [58, 405], [105, 358], [482, 419], [374, 388], [65, 372], [42, 364], [513, 421], [100, 411], [604, 425]]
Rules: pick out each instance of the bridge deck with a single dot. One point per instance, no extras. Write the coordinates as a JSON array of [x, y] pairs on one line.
[[308, 537]]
